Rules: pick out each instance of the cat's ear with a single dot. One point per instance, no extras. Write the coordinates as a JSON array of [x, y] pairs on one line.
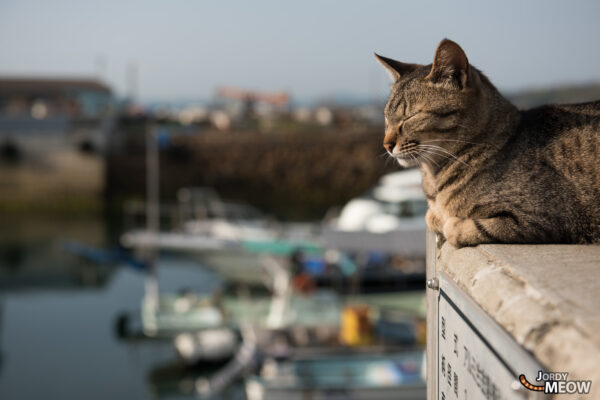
[[395, 68], [450, 63]]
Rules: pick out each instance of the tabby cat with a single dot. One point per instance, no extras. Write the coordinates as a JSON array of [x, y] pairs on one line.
[[492, 173]]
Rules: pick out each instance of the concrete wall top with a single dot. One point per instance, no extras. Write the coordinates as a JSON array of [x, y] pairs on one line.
[[547, 297]]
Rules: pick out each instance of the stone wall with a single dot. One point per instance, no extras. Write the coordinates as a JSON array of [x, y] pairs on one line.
[[289, 175]]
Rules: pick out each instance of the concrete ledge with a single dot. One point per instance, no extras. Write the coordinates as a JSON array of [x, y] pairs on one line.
[[547, 297]]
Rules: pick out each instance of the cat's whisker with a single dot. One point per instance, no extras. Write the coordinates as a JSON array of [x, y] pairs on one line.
[[414, 158], [448, 156], [438, 148], [390, 157], [436, 152], [398, 158], [428, 157], [410, 154], [431, 153], [441, 151], [419, 158]]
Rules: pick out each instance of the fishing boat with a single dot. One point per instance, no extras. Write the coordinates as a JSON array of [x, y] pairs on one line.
[[208, 327], [174, 380], [232, 241], [227, 237], [349, 375], [389, 218], [240, 262], [176, 313], [322, 354], [281, 311]]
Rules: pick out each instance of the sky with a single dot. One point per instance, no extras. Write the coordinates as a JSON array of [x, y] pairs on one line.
[[185, 49]]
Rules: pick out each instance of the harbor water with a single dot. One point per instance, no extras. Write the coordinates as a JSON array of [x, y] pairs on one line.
[[58, 315]]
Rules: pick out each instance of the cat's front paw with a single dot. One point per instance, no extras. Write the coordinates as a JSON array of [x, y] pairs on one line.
[[433, 222], [461, 232]]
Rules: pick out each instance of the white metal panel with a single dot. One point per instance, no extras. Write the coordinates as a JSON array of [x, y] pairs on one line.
[[476, 358]]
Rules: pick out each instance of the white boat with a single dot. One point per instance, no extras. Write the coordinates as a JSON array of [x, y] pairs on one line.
[[206, 327], [173, 314], [321, 312], [347, 376], [208, 344], [389, 218], [237, 261], [227, 237]]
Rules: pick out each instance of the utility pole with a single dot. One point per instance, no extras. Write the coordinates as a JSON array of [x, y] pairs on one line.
[[132, 81]]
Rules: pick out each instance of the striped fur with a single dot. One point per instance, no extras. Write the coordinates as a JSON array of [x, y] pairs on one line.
[[492, 173]]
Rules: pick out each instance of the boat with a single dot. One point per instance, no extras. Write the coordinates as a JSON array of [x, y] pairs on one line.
[[177, 313], [238, 261], [365, 272], [335, 345], [316, 373], [389, 218], [351, 375], [208, 328], [228, 237], [233, 242], [208, 345], [278, 328], [175, 380]]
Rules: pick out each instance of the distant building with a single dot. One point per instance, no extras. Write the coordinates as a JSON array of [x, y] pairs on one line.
[[75, 97], [42, 112], [53, 135]]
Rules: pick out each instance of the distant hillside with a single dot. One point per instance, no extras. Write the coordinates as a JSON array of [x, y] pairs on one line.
[[562, 94]]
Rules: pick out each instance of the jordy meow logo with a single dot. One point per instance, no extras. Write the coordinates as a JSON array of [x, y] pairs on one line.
[[556, 383]]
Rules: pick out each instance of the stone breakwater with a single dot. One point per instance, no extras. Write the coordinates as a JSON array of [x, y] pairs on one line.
[[291, 176], [63, 180]]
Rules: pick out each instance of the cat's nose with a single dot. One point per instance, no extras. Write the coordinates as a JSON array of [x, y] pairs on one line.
[[389, 146]]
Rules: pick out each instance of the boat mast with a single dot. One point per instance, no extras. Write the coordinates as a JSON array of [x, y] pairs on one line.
[[152, 210]]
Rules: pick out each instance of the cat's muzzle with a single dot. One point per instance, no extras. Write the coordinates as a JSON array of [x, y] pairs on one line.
[[406, 149]]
